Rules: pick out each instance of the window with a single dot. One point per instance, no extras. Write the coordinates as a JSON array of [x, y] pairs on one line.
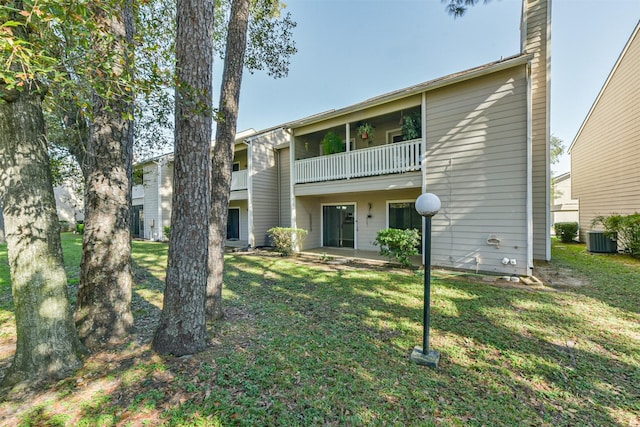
[[394, 135], [236, 166], [403, 215]]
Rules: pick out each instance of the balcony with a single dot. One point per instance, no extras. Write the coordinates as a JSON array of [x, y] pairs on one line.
[[239, 180], [386, 159]]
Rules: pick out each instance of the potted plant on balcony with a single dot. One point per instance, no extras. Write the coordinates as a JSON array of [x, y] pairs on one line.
[[412, 126], [365, 131], [332, 143]]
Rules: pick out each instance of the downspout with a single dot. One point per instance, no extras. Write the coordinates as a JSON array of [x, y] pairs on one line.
[[250, 236], [529, 207], [423, 114], [292, 179], [159, 229], [278, 183], [548, 132]]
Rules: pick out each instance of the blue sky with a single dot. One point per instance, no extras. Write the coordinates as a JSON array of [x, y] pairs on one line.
[[351, 50]]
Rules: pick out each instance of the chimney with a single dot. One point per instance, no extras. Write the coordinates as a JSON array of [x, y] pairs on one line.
[[535, 33]]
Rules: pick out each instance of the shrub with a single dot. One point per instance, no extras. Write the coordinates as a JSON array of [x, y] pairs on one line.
[[398, 244], [623, 228], [283, 238], [332, 144], [167, 232], [80, 227], [566, 231]]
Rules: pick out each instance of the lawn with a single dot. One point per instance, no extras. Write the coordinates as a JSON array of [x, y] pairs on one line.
[[307, 343]]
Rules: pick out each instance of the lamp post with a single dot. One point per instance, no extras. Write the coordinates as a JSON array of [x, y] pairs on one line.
[[427, 205]]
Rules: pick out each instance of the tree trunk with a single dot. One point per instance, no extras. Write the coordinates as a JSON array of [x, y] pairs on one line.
[[3, 240], [47, 344], [223, 152], [182, 327], [103, 313]]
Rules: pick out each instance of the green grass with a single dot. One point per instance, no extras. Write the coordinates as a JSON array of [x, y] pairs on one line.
[[311, 344]]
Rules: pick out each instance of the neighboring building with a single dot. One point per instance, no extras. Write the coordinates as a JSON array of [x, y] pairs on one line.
[[253, 202], [479, 139], [605, 154], [69, 207], [564, 208], [69, 204]]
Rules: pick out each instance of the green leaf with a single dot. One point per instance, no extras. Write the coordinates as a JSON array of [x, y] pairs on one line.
[[12, 24]]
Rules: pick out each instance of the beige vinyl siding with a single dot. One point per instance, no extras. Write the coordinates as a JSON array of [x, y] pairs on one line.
[[605, 156], [537, 42], [477, 165], [564, 208], [242, 205], [239, 195], [308, 217], [264, 184], [167, 193], [69, 204], [150, 204], [152, 198], [285, 189], [309, 214]]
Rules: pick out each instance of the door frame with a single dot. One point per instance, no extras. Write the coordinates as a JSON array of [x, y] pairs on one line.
[[239, 220], [140, 222], [355, 222]]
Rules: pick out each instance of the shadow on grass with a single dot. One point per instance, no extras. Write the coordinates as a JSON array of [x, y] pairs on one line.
[[306, 344], [614, 278]]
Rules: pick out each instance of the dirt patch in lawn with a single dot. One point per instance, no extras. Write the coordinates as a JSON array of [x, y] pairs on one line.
[[557, 277]]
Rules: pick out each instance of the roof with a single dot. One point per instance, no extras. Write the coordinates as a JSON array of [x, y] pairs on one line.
[[450, 79], [482, 70], [562, 177], [240, 138], [604, 86]]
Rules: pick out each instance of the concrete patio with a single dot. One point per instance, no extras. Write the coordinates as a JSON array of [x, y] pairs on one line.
[[356, 255]]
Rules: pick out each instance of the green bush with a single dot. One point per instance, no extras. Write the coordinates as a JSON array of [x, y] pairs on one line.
[[398, 244], [80, 227], [283, 238], [566, 231], [623, 228], [332, 144], [167, 232]]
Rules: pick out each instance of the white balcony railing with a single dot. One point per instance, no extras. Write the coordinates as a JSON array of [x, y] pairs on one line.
[[239, 180], [382, 160]]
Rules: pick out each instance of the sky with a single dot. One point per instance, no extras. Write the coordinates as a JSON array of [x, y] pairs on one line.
[[352, 50]]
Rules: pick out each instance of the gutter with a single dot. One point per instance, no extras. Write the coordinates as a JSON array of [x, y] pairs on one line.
[[250, 237], [158, 226], [529, 205]]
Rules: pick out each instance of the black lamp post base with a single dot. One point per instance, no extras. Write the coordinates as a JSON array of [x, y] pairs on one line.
[[431, 359]]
